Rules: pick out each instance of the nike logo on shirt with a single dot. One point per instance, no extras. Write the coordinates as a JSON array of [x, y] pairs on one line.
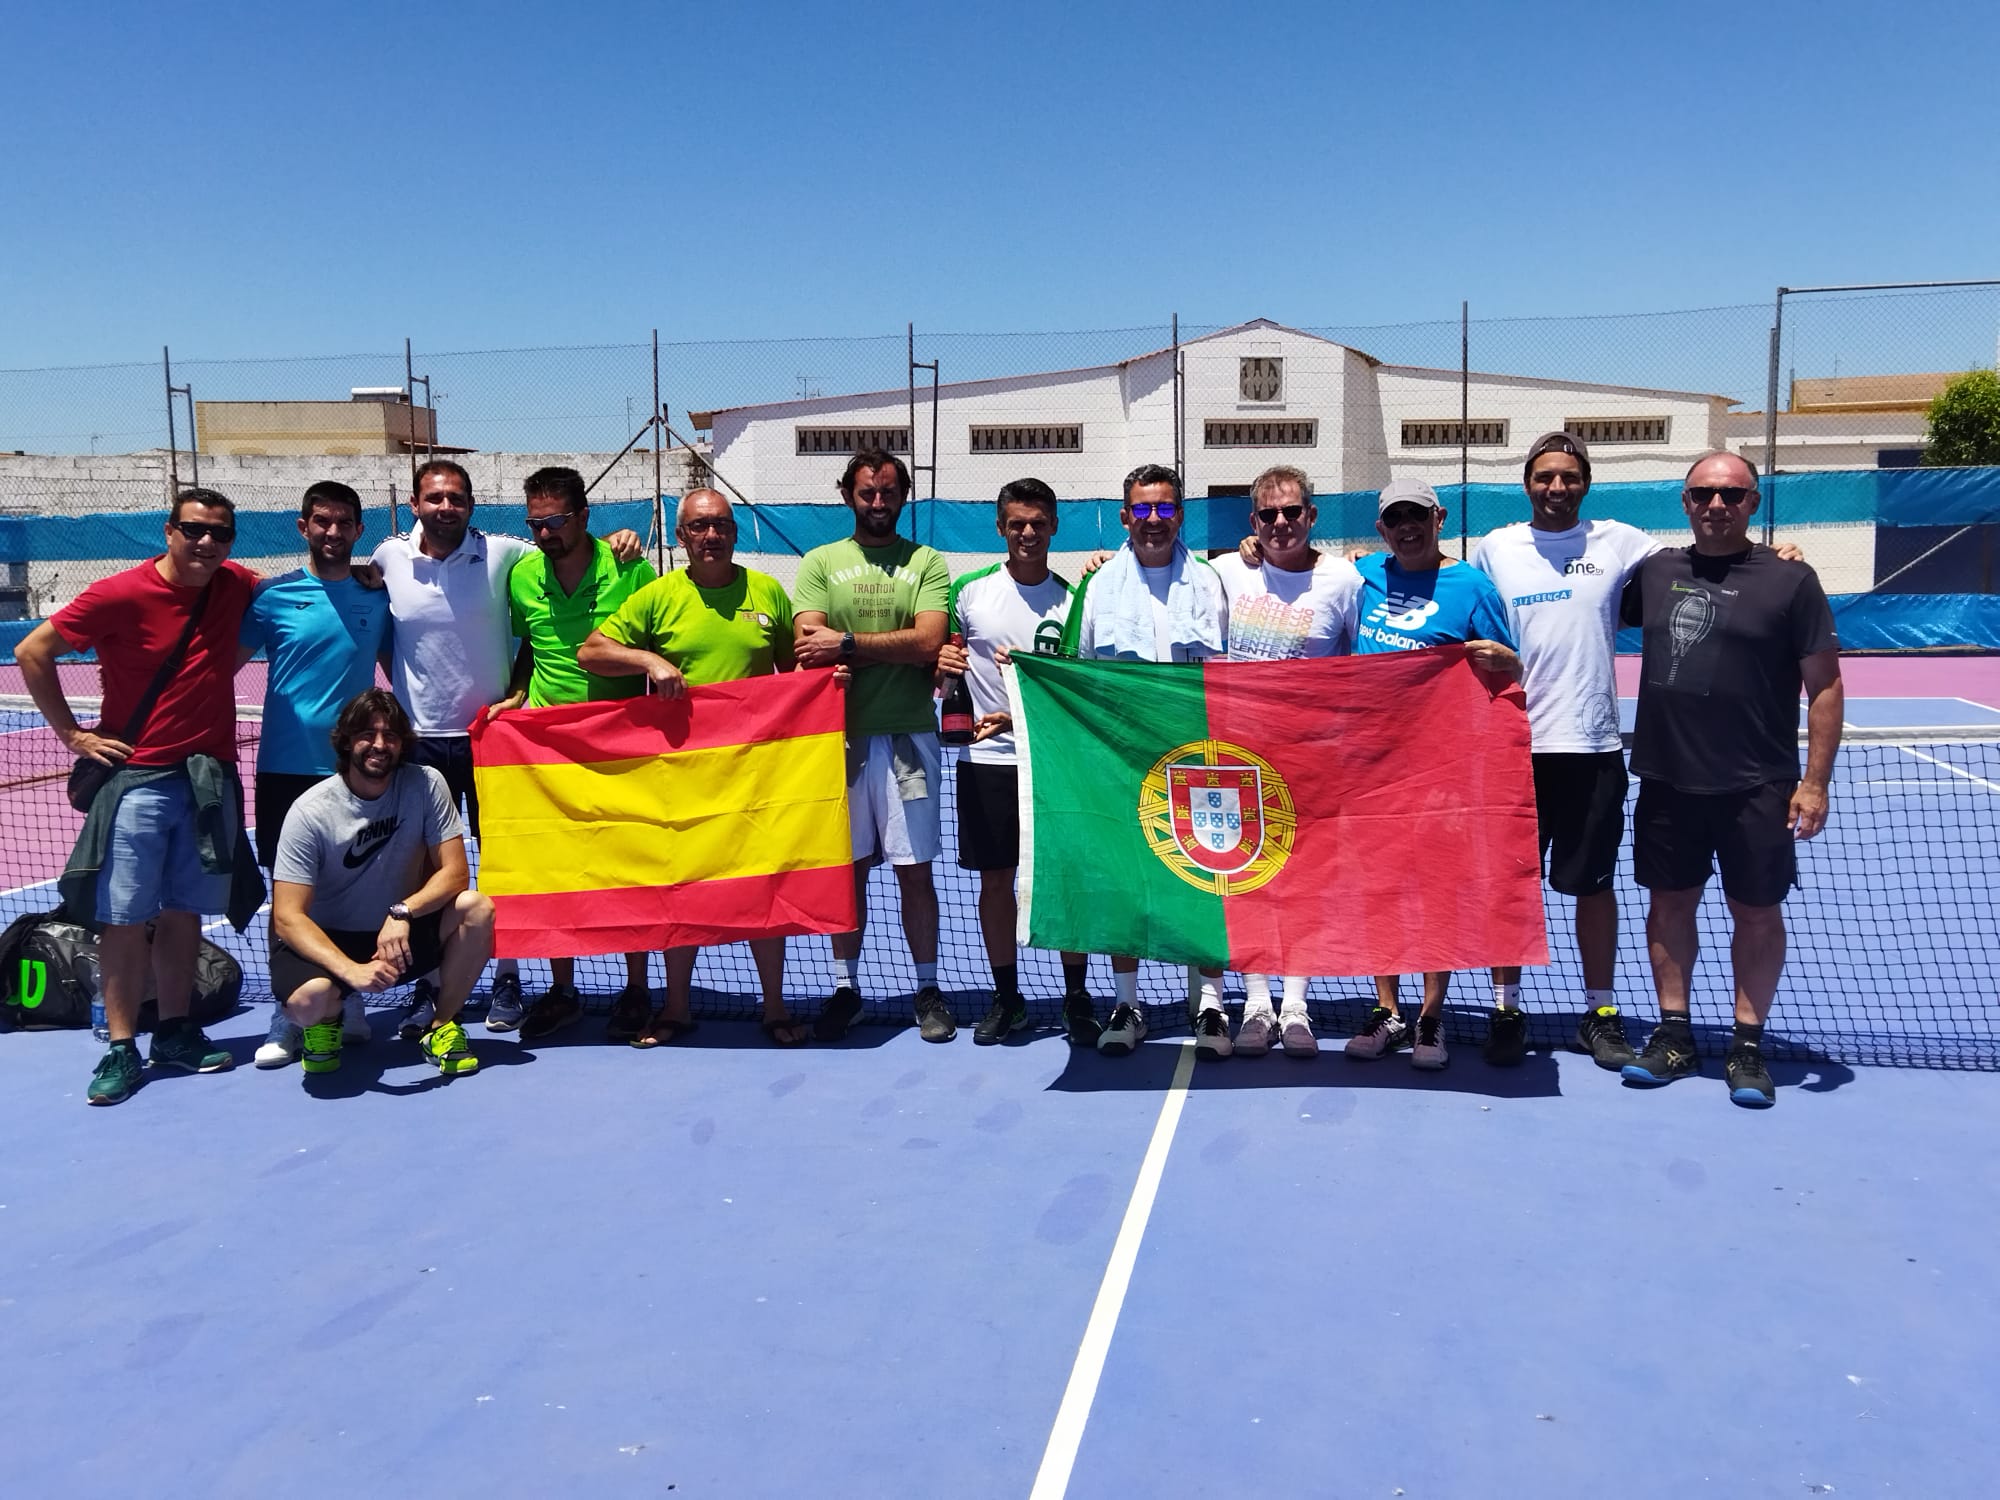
[[368, 843]]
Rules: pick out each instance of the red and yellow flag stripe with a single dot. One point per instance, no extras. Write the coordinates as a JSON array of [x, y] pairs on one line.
[[654, 822]]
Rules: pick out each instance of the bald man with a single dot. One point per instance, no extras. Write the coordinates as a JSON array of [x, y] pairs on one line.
[[710, 622]]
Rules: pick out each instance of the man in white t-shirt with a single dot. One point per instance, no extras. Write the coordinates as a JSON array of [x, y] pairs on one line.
[[1295, 602], [1154, 601], [1018, 605]]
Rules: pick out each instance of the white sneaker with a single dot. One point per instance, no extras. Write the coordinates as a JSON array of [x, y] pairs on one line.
[[1253, 1037], [1211, 1035], [1384, 1031], [1295, 1030], [354, 1028], [1429, 1051], [1123, 1032], [282, 1043]]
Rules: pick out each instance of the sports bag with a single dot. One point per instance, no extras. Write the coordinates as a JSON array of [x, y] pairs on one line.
[[41, 981]]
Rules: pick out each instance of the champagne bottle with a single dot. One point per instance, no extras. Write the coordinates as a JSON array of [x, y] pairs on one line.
[[955, 716]]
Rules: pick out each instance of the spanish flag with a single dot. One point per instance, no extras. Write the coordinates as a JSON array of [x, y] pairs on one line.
[[657, 822]]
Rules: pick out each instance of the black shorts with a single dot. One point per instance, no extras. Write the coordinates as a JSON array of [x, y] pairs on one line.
[[1580, 814], [276, 792], [989, 816], [451, 756], [1675, 834], [289, 969]]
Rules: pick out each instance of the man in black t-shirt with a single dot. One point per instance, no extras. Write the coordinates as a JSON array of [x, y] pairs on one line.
[[1732, 632]]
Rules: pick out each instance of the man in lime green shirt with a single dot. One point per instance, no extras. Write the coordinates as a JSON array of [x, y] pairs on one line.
[[556, 597], [710, 622], [876, 602]]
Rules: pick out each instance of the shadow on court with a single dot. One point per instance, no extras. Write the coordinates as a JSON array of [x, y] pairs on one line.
[[1151, 1068], [366, 1069]]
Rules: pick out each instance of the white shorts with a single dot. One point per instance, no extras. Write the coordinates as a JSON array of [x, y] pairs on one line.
[[885, 824]]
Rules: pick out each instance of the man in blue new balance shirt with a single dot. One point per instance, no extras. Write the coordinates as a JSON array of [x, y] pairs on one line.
[[321, 631], [1413, 597]]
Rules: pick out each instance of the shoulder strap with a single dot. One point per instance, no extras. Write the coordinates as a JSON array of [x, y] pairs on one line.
[[167, 668]]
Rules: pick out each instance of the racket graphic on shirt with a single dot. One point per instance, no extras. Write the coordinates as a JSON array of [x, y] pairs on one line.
[[1687, 623]]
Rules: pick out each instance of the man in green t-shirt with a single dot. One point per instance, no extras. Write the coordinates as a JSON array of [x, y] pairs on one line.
[[876, 602], [556, 597], [710, 622]]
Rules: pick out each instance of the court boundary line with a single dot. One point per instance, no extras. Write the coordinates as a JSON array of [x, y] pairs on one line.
[[1944, 765], [1066, 1434]]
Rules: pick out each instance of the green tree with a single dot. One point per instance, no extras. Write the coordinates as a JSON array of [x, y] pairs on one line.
[[1963, 424]]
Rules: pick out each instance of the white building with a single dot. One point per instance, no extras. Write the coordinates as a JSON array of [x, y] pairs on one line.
[[1249, 396]]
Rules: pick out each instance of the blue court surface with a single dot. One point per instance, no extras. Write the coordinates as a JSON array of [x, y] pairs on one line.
[[1899, 716]]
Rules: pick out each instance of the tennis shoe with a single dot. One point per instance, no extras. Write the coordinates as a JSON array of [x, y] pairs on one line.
[[1080, 1019], [1601, 1033], [354, 1027], [1211, 1035], [1296, 1032], [1253, 1037], [935, 1022], [322, 1047], [506, 1008], [1750, 1082], [282, 1042], [179, 1043], [1429, 1053], [1506, 1037], [1384, 1031], [422, 1012], [1669, 1055], [1008, 1013], [561, 1006], [118, 1073], [841, 1010], [447, 1045], [1123, 1031], [629, 1014]]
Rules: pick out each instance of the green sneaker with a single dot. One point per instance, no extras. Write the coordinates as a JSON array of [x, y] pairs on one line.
[[445, 1044], [180, 1043], [117, 1075], [321, 1053]]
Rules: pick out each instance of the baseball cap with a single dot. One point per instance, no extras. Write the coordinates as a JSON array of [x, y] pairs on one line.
[[1407, 492], [1557, 442]]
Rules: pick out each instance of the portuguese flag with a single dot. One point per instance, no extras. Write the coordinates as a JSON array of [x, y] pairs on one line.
[[1340, 816], [656, 822]]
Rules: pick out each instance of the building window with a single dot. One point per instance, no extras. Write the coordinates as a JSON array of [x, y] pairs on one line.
[[1595, 430], [1061, 437], [850, 440], [1476, 434], [1231, 434], [1261, 377]]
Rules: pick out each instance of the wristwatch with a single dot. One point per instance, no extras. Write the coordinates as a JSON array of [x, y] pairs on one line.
[[847, 646], [400, 910]]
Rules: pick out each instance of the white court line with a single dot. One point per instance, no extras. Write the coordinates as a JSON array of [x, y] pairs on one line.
[[1947, 766], [1059, 1457]]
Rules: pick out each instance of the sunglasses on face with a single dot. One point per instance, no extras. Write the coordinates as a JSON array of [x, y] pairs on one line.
[[1147, 510], [1270, 513], [1728, 494], [701, 524], [1408, 515], [556, 522], [202, 531]]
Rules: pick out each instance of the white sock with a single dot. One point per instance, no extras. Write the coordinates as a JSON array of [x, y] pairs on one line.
[[1295, 994], [1125, 987], [1256, 993], [850, 973], [1208, 992], [1600, 999], [1507, 996]]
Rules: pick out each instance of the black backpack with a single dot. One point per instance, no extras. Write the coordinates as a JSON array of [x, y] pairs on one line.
[[41, 988]]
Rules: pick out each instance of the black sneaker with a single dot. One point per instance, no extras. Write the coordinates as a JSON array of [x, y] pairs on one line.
[[1009, 1013], [1669, 1055], [1080, 1019], [1601, 1033], [1211, 1035], [629, 1014], [1749, 1081], [561, 1006], [179, 1043], [934, 1018], [1506, 1037], [421, 1015], [841, 1010]]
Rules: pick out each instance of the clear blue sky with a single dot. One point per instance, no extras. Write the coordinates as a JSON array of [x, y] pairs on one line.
[[268, 180]]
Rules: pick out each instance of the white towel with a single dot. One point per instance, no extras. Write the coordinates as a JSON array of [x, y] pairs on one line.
[[1122, 608]]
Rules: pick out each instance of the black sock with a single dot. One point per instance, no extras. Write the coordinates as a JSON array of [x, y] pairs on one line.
[[1676, 1021], [1006, 979], [129, 1043], [1748, 1034], [1076, 974]]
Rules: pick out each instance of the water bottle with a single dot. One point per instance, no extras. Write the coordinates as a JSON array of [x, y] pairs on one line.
[[84, 969], [955, 716]]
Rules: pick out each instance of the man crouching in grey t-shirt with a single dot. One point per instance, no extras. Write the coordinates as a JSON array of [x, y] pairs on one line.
[[370, 886]]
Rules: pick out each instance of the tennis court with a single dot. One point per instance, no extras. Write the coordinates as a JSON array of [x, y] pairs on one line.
[[888, 1268]]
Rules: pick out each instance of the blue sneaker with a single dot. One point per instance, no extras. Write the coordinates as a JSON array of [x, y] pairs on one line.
[[421, 1015], [507, 1007], [1669, 1055]]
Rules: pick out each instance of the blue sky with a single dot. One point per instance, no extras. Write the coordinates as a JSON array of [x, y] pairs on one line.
[[267, 180]]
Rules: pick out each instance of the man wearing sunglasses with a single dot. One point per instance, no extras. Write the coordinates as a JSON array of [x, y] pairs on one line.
[[1414, 597], [557, 597], [1291, 602], [876, 603], [162, 842], [451, 658], [1153, 601], [1732, 633]]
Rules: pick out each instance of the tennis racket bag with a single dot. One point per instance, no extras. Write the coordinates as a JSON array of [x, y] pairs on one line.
[[42, 986]]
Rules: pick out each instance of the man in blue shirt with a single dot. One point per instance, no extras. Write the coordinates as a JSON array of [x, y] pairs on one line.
[[1413, 597], [321, 631]]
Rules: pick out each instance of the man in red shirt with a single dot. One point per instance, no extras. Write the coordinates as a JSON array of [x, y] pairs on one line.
[[164, 835]]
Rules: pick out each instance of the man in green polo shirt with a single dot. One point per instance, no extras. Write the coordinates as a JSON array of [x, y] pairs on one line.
[[710, 622], [877, 602], [556, 597]]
